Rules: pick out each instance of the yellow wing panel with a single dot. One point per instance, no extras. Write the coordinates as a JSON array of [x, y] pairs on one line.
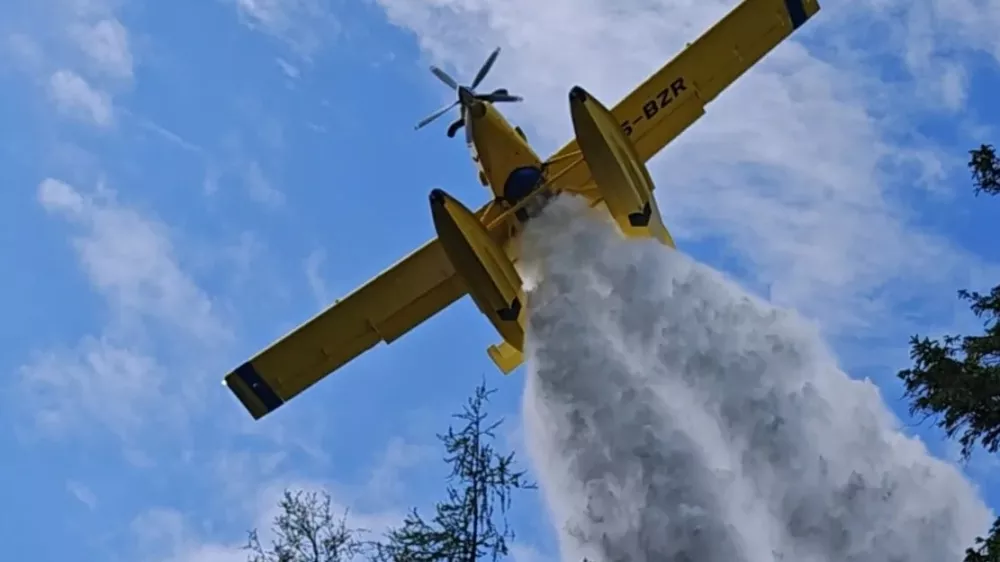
[[673, 98], [383, 309]]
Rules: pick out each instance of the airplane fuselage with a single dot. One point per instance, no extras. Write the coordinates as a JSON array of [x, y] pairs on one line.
[[506, 162]]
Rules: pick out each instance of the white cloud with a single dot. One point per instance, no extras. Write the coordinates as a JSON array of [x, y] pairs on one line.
[[77, 51], [240, 473], [112, 379], [53, 193], [170, 136], [166, 535], [82, 493], [98, 381], [288, 68], [259, 188], [74, 96], [303, 25], [931, 35], [241, 255], [210, 183], [130, 259], [320, 292], [522, 552], [246, 172], [316, 127], [106, 44], [89, 9], [210, 553], [790, 166], [24, 50], [384, 483]]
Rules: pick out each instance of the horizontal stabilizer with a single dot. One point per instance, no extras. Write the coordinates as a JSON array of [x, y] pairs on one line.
[[505, 356]]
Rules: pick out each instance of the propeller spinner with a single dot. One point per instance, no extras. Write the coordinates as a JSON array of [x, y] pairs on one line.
[[467, 94]]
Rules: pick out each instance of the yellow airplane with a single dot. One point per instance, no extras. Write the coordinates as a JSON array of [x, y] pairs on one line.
[[474, 252]]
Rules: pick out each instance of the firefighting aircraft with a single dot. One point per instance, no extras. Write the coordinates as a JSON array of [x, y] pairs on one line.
[[474, 252]]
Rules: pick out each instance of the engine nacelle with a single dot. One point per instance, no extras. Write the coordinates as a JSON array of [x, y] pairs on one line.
[[492, 281], [621, 176]]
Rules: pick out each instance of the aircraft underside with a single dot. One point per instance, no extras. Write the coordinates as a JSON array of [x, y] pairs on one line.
[[623, 185]]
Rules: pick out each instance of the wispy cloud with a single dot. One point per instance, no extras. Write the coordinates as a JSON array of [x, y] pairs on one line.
[[320, 292], [303, 25], [113, 379], [259, 188], [106, 44], [165, 535], [131, 261], [82, 493], [24, 51], [288, 68], [78, 51], [384, 485], [523, 552], [169, 136], [75, 97], [930, 38], [99, 382]]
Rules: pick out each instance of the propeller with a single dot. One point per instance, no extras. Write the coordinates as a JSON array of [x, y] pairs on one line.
[[467, 94]]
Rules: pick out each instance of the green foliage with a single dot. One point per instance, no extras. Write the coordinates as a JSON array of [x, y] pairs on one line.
[[985, 167], [306, 530], [956, 379], [986, 549], [470, 525]]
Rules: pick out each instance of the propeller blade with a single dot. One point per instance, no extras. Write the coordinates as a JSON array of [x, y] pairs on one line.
[[495, 97], [485, 68], [435, 115], [443, 76]]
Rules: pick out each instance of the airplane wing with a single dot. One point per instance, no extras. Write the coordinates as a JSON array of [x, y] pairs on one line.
[[385, 308], [673, 98]]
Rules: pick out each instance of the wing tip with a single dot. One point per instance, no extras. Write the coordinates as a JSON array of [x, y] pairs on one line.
[[252, 390], [798, 12]]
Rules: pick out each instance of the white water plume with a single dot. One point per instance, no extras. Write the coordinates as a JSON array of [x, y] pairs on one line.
[[672, 417]]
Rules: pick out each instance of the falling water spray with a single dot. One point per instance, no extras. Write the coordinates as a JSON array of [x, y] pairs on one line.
[[673, 417]]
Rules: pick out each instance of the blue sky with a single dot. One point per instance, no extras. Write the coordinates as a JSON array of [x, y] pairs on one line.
[[184, 182]]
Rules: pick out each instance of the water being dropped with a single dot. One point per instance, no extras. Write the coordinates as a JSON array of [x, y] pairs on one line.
[[672, 417]]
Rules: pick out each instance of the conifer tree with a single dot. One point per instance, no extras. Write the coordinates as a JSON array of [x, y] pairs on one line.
[[956, 379], [468, 525]]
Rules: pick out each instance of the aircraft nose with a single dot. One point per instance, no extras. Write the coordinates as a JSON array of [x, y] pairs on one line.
[[465, 95], [477, 110]]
